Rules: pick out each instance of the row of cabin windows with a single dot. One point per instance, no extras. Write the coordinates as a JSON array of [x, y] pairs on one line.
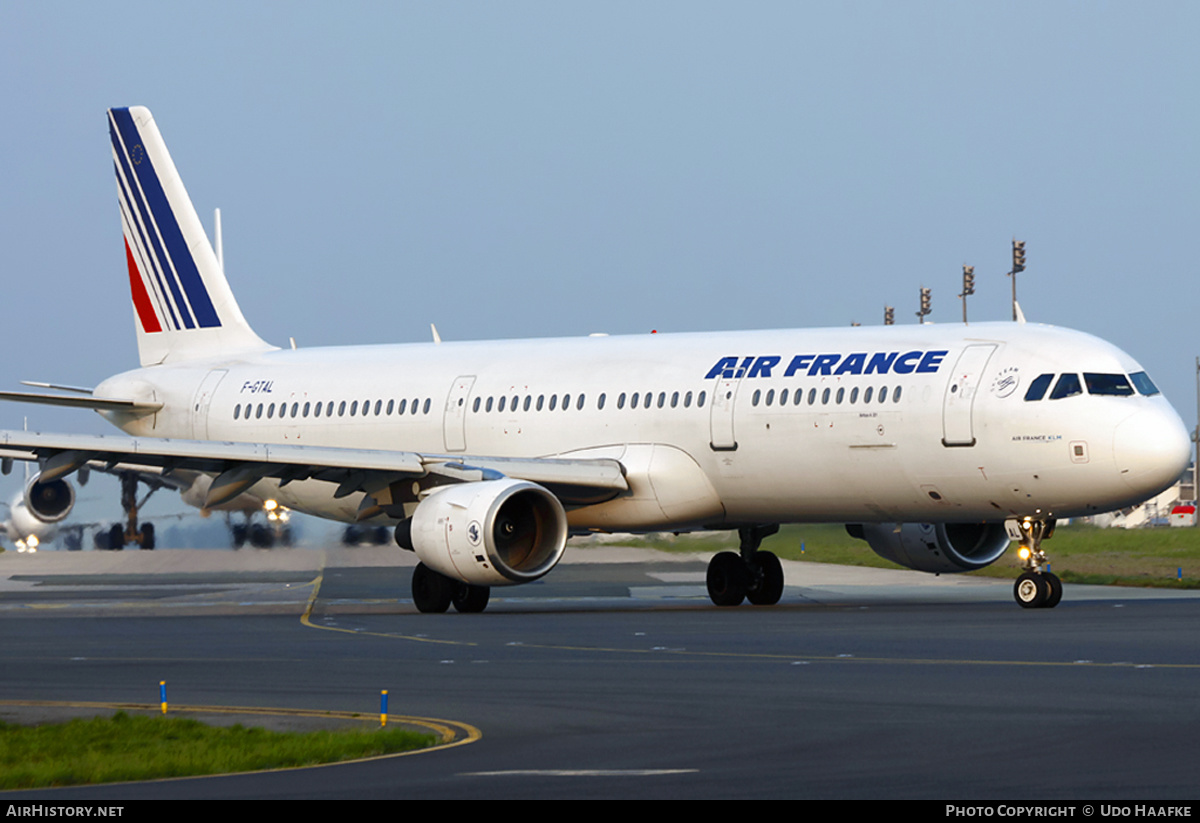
[[797, 397], [646, 400], [354, 408], [332, 408], [529, 403], [1113, 385]]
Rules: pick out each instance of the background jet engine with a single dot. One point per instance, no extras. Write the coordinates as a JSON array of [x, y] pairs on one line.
[[935, 547], [489, 533], [49, 502]]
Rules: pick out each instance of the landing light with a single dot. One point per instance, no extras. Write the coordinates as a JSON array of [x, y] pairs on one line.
[[275, 512]]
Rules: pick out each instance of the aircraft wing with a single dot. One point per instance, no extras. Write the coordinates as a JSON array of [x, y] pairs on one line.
[[238, 466]]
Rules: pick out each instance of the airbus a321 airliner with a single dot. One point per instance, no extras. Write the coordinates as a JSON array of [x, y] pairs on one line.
[[937, 444]]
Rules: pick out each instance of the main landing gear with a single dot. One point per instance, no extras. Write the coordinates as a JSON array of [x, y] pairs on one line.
[[434, 593], [129, 533], [752, 575], [1037, 587]]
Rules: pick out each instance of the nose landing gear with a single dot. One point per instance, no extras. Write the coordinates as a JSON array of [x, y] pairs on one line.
[[1037, 587]]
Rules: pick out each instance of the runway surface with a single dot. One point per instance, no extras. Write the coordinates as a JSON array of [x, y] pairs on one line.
[[615, 677]]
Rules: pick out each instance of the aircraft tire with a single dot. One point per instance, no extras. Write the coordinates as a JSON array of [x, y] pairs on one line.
[[261, 537], [1030, 591], [146, 536], [116, 538], [431, 592], [470, 599], [1055, 592], [727, 579], [770, 586]]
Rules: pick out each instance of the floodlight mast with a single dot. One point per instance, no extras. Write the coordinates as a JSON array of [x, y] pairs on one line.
[[1018, 264], [968, 288], [925, 305]]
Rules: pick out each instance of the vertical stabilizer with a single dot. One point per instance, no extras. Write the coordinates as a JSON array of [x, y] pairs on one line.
[[183, 306]]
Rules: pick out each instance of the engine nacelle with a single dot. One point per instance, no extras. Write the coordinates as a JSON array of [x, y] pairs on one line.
[[490, 533], [935, 547], [49, 502]]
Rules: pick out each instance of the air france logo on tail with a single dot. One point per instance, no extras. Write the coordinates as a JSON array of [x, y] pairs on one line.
[[919, 362], [167, 287]]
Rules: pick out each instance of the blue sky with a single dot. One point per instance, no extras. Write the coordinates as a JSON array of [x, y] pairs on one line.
[[544, 168]]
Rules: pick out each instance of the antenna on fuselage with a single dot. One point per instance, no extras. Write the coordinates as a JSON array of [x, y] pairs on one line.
[[437, 338]]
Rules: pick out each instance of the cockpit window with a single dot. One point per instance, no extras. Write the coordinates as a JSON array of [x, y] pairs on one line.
[[1116, 384], [1067, 386], [1037, 389], [1144, 384]]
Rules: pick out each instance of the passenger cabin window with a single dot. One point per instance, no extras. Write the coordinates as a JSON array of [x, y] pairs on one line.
[[1116, 384], [1067, 386], [1037, 389]]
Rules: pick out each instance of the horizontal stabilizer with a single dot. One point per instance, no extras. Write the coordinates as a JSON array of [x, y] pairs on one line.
[[82, 402]]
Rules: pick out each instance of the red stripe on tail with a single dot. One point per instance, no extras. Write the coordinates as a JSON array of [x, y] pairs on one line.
[[141, 300]]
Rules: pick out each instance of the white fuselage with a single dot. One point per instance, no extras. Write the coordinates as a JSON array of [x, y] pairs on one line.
[[916, 423]]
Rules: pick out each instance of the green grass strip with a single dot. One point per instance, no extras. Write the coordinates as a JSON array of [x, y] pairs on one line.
[[1078, 553], [132, 747]]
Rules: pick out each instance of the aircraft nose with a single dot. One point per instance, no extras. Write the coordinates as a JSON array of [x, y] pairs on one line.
[[1151, 449]]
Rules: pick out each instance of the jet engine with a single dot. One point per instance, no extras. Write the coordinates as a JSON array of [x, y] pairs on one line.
[[935, 547], [488, 533], [51, 501]]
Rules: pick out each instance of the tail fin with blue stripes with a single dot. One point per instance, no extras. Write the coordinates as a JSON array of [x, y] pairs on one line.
[[183, 306]]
